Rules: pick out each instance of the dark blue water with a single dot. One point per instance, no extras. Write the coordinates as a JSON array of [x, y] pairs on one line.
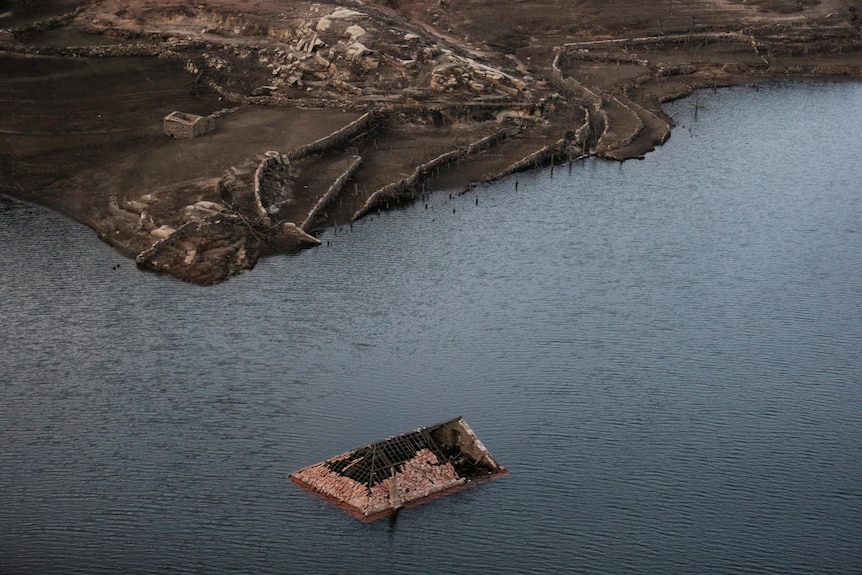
[[665, 354]]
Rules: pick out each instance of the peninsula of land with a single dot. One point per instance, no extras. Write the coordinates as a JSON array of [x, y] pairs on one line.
[[198, 137]]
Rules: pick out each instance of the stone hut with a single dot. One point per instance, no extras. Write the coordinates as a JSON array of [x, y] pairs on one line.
[[380, 478], [183, 125]]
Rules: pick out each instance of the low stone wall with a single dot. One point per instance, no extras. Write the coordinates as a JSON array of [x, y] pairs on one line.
[[587, 50], [406, 187], [340, 137], [603, 143], [577, 92], [492, 140], [237, 98], [582, 134], [55, 22], [666, 38], [542, 157], [144, 258], [330, 194], [270, 161], [225, 111], [610, 144]]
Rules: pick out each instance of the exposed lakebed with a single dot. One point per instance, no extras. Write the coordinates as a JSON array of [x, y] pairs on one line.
[[664, 355]]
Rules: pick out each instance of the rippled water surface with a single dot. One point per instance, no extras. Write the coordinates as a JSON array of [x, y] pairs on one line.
[[665, 354]]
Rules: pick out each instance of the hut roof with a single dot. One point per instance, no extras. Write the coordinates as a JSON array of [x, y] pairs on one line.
[[407, 469]]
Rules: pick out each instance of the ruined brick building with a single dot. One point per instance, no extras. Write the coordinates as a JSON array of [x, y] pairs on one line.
[[183, 125]]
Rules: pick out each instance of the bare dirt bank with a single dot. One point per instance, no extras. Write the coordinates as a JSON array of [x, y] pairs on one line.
[[326, 111]]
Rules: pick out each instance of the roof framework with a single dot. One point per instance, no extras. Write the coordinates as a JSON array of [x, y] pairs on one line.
[[375, 462]]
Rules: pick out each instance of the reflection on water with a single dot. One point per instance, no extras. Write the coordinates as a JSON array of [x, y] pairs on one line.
[[663, 353]]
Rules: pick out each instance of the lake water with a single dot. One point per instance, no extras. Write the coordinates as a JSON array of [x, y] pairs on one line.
[[665, 354]]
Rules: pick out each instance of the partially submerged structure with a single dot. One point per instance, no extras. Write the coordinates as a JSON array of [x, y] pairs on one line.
[[380, 478], [183, 125]]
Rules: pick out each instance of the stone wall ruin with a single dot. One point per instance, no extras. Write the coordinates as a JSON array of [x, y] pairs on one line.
[[184, 125]]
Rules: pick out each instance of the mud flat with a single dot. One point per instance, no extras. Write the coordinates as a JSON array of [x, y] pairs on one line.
[[324, 112]]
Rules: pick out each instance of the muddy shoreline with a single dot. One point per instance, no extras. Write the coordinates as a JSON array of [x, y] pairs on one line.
[[325, 112]]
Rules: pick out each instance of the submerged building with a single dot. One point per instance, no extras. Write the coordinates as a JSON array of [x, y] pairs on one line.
[[376, 480]]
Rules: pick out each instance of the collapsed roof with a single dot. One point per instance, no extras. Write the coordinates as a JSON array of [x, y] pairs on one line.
[[380, 478]]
